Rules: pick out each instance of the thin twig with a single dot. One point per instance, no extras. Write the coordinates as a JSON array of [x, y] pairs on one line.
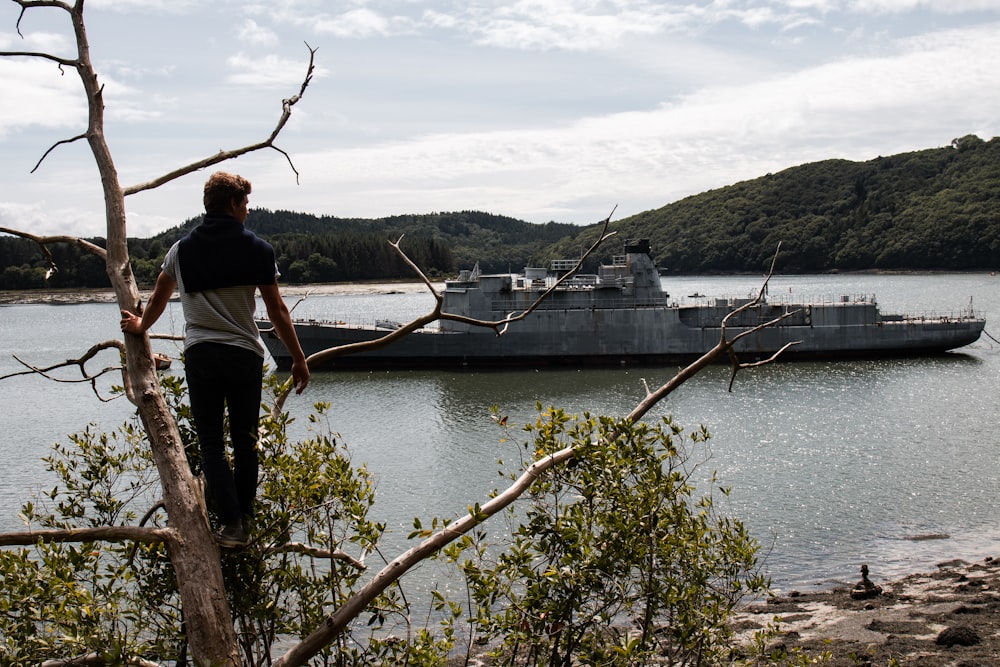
[[723, 347], [315, 552], [81, 364], [53, 147]]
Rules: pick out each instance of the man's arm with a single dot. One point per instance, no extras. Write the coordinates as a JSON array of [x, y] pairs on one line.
[[281, 320], [162, 292]]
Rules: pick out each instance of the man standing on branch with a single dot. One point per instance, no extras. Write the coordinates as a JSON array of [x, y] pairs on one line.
[[217, 269]]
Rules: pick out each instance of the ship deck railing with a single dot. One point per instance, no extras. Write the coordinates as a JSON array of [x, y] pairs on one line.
[[793, 301], [507, 305], [379, 323]]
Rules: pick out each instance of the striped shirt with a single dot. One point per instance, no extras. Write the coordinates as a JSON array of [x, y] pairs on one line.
[[223, 315]]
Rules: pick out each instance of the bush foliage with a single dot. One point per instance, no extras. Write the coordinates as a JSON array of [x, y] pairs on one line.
[[612, 559], [615, 560]]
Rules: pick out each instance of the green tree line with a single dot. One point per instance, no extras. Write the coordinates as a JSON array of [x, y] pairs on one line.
[[927, 210], [937, 208], [314, 249]]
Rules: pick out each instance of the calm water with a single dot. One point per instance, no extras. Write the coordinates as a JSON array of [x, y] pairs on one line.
[[831, 464]]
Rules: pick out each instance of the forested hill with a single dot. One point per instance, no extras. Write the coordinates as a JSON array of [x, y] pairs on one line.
[[438, 242], [315, 249], [932, 209]]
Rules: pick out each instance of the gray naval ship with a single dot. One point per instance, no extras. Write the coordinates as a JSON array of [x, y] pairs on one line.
[[621, 315]]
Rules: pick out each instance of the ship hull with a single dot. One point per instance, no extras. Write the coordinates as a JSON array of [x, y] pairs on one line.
[[621, 315], [661, 335]]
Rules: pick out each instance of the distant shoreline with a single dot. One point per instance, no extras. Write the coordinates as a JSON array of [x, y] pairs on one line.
[[106, 295], [71, 296]]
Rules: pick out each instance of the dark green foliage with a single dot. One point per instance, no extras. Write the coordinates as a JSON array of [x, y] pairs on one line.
[[120, 600], [932, 209], [439, 243], [614, 560], [312, 249], [22, 266], [116, 600]]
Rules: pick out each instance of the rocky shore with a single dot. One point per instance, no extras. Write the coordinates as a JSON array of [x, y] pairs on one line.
[[947, 617]]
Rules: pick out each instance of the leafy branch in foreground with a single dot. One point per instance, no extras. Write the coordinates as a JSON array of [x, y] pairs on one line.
[[614, 561], [118, 601]]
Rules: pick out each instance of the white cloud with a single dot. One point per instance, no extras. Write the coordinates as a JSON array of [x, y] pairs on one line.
[[933, 87], [269, 71], [253, 33], [42, 219], [940, 6], [124, 6], [356, 23], [35, 93], [38, 42]]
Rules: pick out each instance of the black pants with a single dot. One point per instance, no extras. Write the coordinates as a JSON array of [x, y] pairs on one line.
[[220, 377]]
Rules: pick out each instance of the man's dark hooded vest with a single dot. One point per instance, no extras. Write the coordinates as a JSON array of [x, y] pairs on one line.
[[221, 252]]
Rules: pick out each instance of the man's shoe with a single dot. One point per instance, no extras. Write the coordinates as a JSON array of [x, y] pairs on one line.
[[232, 536]]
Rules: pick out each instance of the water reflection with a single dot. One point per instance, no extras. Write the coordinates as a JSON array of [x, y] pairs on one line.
[[845, 461]]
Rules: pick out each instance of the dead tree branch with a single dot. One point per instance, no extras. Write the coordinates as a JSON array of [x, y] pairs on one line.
[[725, 346], [44, 242], [55, 146], [99, 534], [338, 620], [62, 62], [222, 156], [436, 314], [28, 4], [81, 364], [315, 552]]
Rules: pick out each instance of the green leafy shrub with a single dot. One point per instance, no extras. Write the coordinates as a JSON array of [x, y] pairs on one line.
[[614, 560]]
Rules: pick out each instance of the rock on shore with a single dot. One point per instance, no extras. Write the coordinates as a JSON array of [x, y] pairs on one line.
[[950, 616]]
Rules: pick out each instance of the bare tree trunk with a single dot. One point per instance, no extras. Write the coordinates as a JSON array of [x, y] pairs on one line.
[[192, 550]]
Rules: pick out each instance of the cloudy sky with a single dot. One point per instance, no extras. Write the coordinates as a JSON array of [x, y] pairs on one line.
[[537, 109]]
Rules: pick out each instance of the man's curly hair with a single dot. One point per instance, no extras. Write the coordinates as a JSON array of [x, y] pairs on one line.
[[221, 189]]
